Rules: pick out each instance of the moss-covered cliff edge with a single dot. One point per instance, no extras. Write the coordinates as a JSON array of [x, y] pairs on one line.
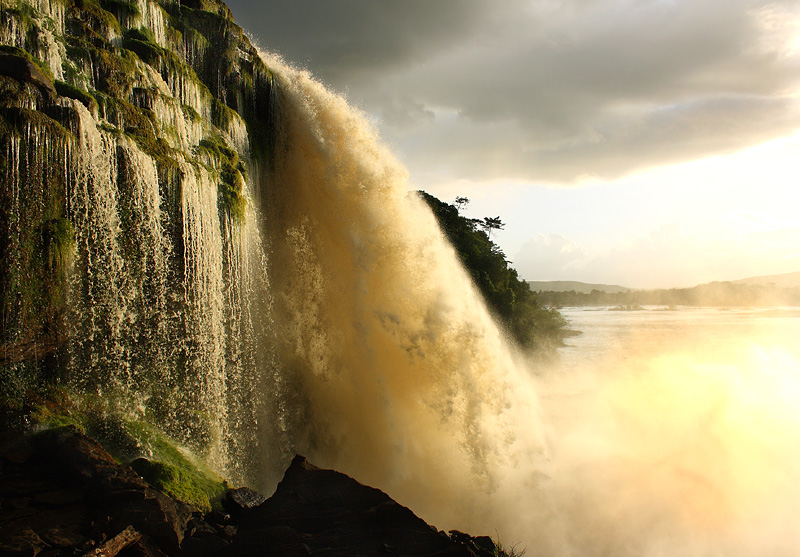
[[176, 81], [132, 139], [233, 257]]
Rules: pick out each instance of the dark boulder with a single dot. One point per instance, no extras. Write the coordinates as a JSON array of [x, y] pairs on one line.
[[240, 500], [62, 492], [25, 71], [323, 511]]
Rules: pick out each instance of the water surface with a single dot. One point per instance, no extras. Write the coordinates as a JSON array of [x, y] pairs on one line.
[[675, 431]]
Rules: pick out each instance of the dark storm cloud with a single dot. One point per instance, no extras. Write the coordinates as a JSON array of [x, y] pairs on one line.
[[345, 40], [549, 90]]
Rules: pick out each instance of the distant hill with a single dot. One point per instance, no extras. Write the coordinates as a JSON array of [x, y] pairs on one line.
[[570, 285], [765, 291], [788, 280]]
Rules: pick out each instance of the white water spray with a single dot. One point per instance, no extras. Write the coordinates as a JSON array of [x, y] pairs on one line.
[[407, 382], [408, 385], [335, 321]]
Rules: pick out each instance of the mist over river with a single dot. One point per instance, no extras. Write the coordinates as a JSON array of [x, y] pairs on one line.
[[609, 334], [674, 432]]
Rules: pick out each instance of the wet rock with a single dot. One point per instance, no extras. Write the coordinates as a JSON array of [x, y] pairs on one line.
[[63, 494], [315, 510], [70, 494], [23, 542], [479, 544], [240, 500], [124, 497], [23, 70], [124, 539]]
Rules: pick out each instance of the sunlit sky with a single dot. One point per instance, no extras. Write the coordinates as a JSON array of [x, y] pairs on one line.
[[647, 143]]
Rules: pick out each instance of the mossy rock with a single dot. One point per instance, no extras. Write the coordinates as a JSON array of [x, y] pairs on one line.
[[87, 99], [206, 9], [21, 66], [231, 196], [173, 481], [162, 448], [232, 174], [101, 21], [14, 93], [153, 454], [149, 52], [121, 8]]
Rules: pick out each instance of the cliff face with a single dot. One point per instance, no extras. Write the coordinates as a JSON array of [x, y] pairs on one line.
[[234, 257], [132, 137], [65, 495]]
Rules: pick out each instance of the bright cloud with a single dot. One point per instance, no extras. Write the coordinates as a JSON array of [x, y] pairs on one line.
[[550, 90], [577, 121]]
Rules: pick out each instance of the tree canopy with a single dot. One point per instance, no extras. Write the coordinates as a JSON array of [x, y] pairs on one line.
[[516, 307]]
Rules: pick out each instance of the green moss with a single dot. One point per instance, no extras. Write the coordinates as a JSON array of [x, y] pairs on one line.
[[191, 113], [66, 90], [55, 420], [154, 455], [173, 481], [16, 51], [121, 8], [165, 451], [221, 114], [23, 12], [35, 242], [44, 68], [218, 149], [140, 125], [116, 70], [232, 176], [140, 34], [58, 243], [232, 199], [150, 53], [142, 42], [99, 19], [205, 15]]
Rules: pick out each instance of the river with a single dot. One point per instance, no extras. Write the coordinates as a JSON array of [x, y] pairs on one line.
[[676, 432], [608, 333]]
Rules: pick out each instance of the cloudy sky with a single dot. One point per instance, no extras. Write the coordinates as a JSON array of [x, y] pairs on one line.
[[640, 142]]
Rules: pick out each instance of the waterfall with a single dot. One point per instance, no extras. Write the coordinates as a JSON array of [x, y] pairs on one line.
[[258, 284], [407, 382], [205, 238]]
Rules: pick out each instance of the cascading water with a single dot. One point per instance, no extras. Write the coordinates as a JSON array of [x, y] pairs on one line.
[[329, 318], [406, 381], [262, 282]]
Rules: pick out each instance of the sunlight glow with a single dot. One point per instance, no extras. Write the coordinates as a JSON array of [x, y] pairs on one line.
[[736, 214]]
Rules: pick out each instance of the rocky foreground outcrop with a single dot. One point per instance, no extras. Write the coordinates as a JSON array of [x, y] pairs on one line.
[[61, 493]]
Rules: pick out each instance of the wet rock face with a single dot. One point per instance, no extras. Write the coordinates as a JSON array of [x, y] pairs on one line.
[[25, 71], [61, 493], [315, 511], [241, 500]]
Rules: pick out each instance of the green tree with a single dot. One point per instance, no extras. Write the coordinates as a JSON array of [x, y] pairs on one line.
[[491, 223], [511, 300]]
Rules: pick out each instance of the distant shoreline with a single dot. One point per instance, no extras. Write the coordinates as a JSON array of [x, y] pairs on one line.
[[713, 294], [786, 280]]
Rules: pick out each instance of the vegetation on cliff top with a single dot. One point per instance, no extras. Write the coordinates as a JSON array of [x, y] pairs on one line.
[[530, 323]]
